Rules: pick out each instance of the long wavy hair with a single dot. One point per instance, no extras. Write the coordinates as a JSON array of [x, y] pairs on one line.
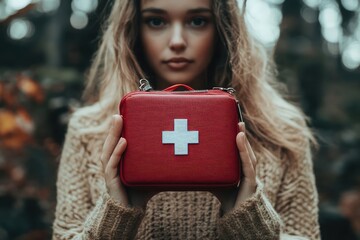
[[275, 127]]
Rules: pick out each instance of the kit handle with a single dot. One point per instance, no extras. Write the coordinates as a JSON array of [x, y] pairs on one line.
[[175, 86]]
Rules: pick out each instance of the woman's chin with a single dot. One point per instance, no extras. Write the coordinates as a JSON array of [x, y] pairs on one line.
[[171, 80]]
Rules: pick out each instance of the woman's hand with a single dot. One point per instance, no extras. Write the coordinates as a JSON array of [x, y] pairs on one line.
[[233, 198], [113, 149]]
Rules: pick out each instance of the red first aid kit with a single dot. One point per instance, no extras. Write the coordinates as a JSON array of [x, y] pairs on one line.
[[180, 140]]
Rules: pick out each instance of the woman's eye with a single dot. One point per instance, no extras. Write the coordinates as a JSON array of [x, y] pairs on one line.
[[198, 22], [155, 22]]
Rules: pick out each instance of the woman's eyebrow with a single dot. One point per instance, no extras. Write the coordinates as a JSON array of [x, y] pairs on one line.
[[199, 10], [162, 11], [153, 10]]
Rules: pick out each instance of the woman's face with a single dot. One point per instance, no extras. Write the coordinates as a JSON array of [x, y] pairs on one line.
[[178, 39]]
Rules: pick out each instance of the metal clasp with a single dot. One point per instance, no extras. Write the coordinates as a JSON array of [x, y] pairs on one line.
[[145, 85], [229, 90]]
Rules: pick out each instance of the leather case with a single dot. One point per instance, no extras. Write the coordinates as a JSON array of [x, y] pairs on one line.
[[180, 140]]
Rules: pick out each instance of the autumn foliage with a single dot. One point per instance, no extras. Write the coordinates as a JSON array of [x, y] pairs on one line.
[[17, 124]]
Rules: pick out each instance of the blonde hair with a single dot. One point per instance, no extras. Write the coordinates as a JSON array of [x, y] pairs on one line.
[[275, 128]]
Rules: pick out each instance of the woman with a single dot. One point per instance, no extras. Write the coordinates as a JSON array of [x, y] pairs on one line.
[[200, 43]]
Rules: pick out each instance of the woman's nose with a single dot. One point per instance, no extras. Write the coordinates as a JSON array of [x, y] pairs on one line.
[[177, 40]]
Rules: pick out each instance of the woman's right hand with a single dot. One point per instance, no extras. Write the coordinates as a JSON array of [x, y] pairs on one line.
[[113, 149]]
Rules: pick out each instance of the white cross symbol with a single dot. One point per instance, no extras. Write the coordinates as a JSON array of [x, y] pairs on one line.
[[181, 137]]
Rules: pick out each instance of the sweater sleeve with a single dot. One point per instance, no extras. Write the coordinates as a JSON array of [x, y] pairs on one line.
[[295, 215], [254, 219], [76, 217]]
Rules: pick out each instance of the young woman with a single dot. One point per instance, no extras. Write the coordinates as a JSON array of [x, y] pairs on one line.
[[201, 43]]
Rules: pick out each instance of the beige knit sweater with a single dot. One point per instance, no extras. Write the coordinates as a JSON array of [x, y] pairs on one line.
[[283, 207]]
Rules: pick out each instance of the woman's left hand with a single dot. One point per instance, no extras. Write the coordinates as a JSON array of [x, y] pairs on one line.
[[232, 199]]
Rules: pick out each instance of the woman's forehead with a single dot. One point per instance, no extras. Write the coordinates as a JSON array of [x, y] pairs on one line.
[[176, 4]]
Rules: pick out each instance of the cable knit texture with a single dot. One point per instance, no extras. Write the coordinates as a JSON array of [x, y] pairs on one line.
[[283, 207]]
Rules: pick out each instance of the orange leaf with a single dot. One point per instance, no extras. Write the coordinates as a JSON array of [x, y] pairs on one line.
[[24, 120], [11, 135], [8, 122], [31, 88], [16, 140]]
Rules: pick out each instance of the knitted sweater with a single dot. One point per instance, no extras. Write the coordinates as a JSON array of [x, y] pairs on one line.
[[283, 207]]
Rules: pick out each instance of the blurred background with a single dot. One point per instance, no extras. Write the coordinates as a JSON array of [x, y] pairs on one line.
[[46, 47]]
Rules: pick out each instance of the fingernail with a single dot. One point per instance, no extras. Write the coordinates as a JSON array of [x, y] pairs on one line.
[[242, 126], [113, 120], [122, 140], [242, 137]]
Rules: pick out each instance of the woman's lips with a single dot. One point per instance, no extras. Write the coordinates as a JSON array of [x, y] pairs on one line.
[[178, 63]]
